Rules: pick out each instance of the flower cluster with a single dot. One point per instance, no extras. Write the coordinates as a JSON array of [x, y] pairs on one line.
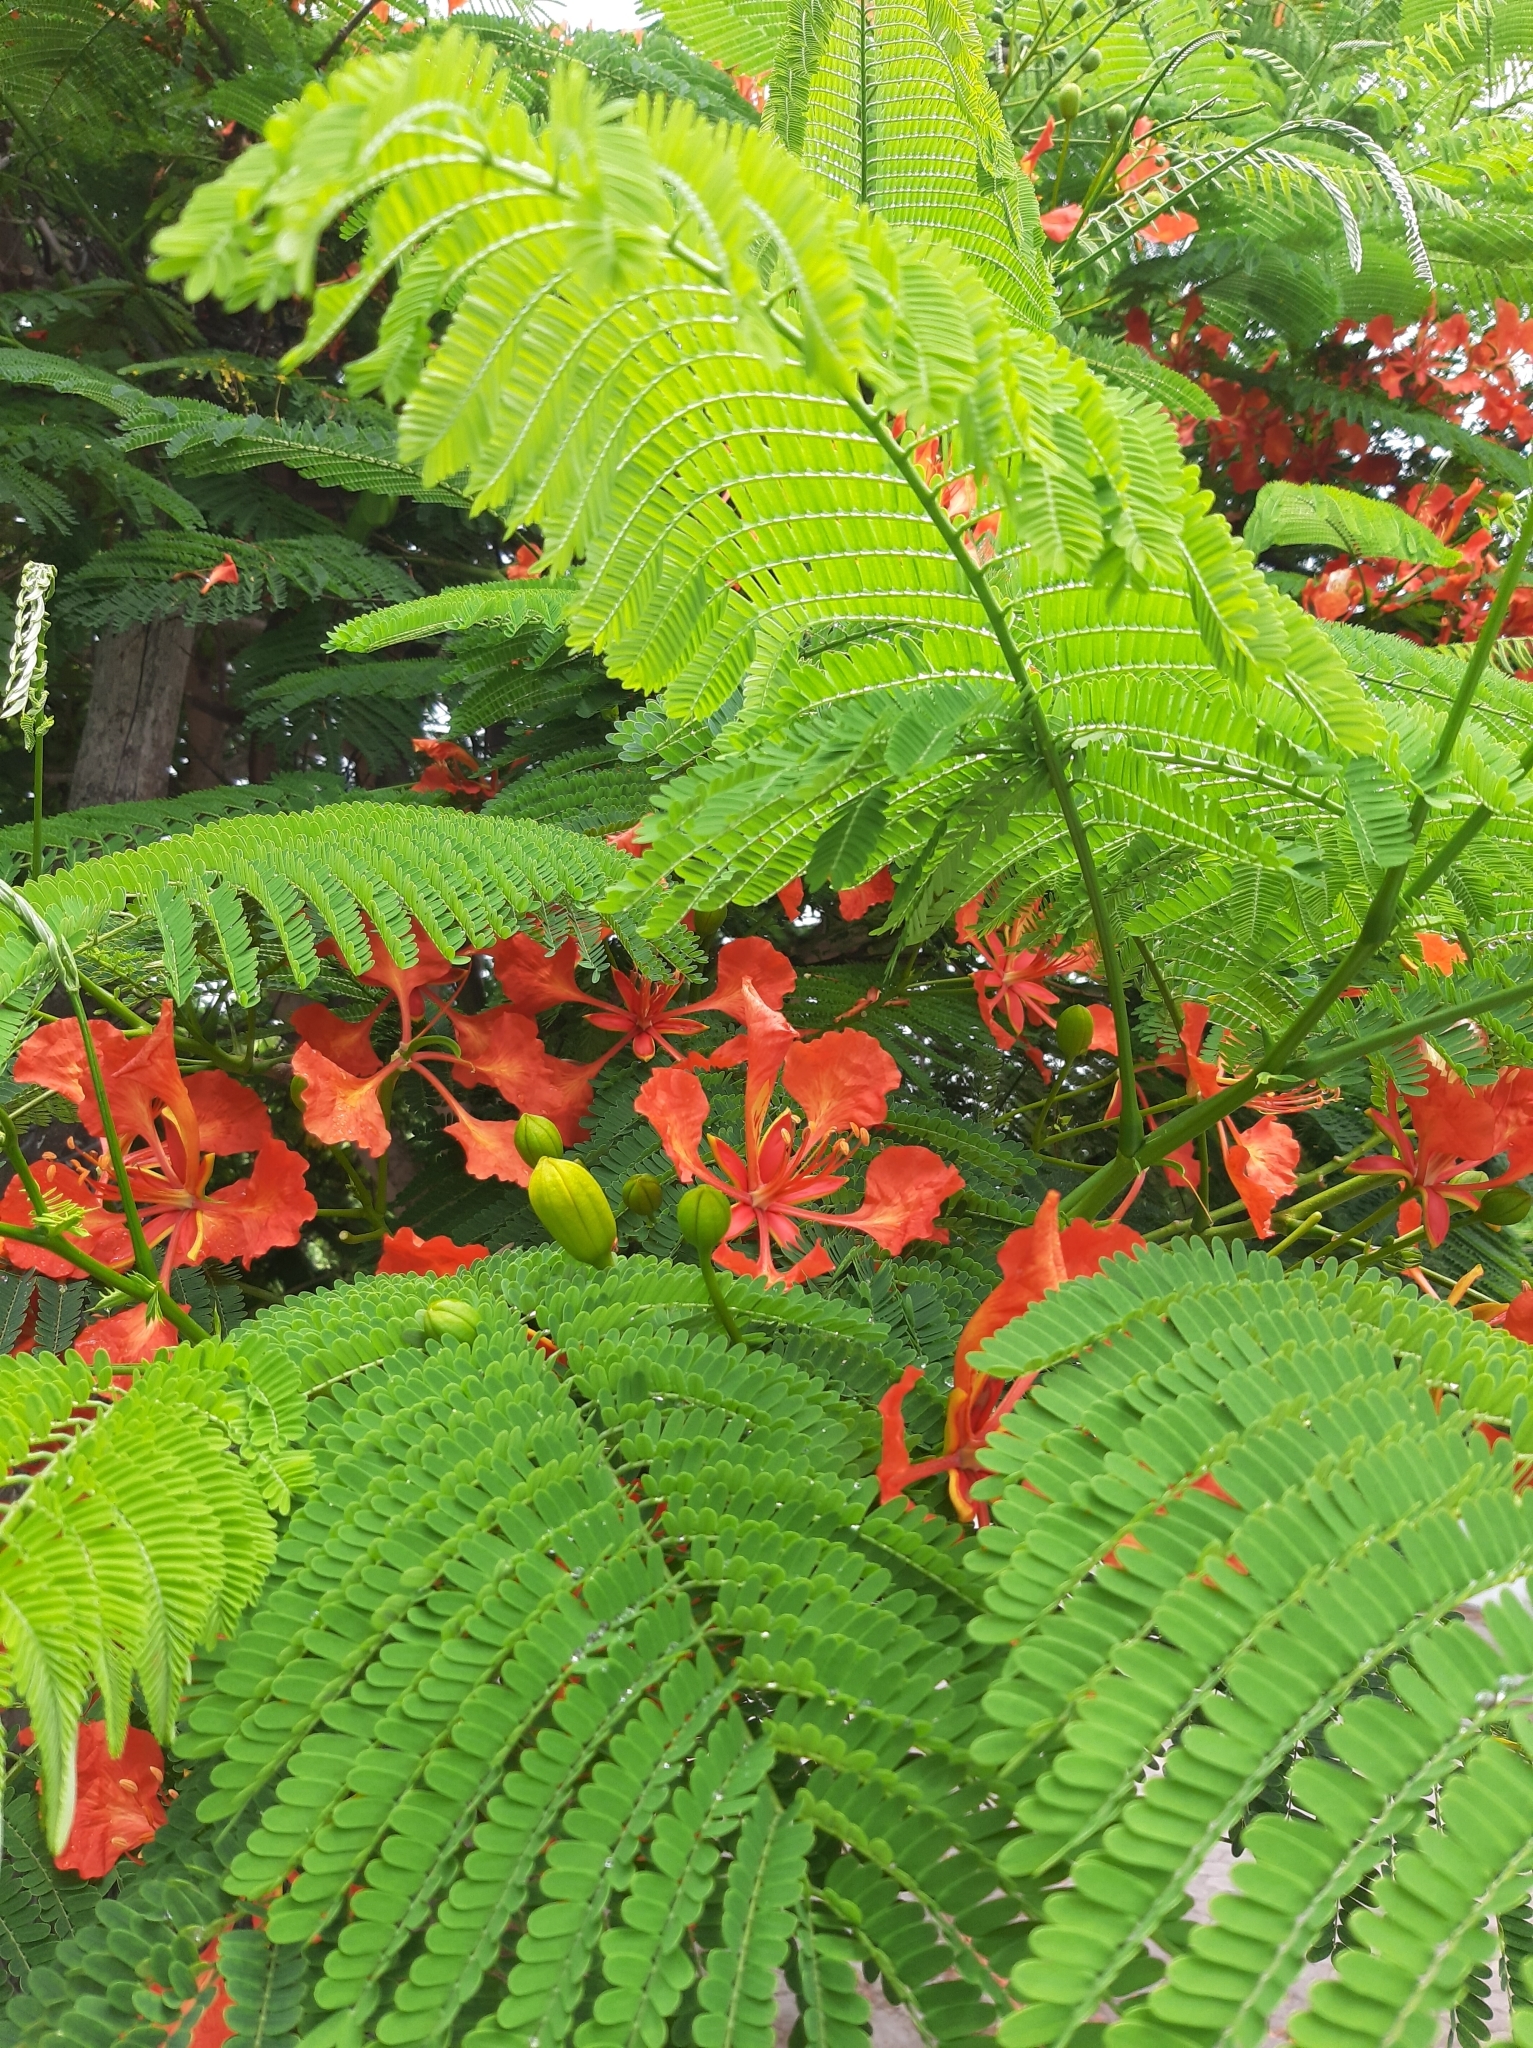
[[347, 1086], [173, 1127], [791, 1162], [1011, 988], [1445, 605]]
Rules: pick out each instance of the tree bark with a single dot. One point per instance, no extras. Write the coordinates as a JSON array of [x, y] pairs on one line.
[[138, 679]]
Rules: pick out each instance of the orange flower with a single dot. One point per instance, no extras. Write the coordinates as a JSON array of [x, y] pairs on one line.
[[841, 1081], [117, 1799], [1033, 1261]]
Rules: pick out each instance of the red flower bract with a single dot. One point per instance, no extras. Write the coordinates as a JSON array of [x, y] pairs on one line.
[[172, 1127], [117, 1799], [842, 1081], [1034, 1260]]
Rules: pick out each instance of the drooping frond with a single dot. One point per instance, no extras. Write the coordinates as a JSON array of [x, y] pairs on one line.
[[211, 899]]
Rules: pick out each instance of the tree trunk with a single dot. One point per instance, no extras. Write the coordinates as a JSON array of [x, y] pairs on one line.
[[138, 679]]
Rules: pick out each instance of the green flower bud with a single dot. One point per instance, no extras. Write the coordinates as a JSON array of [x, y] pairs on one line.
[[573, 1210], [448, 1318], [536, 1138], [1069, 100], [1116, 119], [1091, 60], [702, 1217], [642, 1194], [709, 923], [1077, 9], [1072, 1030], [1505, 1205]]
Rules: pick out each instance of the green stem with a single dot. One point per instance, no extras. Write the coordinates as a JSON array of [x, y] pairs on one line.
[[1130, 1125], [143, 1258], [1377, 925], [715, 1292], [125, 1283], [37, 809], [23, 1170], [1485, 639]]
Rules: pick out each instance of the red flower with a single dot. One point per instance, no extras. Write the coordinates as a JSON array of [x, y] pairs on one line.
[[404, 1252], [1059, 222], [225, 572], [1011, 988], [117, 1799], [854, 904], [528, 556], [1262, 1161], [791, 897], [1033, 1261], [347, 1087], [841, 1081], [1145, 161], [173, 1127], [1454, 1130], [1040, 148], [454, 771], [646, 1014]]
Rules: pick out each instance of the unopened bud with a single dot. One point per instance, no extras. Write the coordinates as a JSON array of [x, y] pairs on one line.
[[709, 923], [1116, 119], [643, 1194], [448, 1318], [1091, 60], [1505, 1205], [536, 1138], [570, 1205], [702, 1217], [1073, 1031], [1069, 100]]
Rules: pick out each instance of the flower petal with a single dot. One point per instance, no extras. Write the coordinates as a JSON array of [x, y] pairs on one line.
[[532, 980], [502, 1050], [489, 1150], [842, 1079], [1059, 221], [340, 1108], [1439, 953], [1038, 1257], [906, 1187], [403, 983], [1170, 227], [1263, 1165], [854, 904], [349, 1046], [676, 1103], [405, 1252], [771, 974], [791, 897], [1518, 1321], [128, 1338], [117, 1799], [230, 1116], [267, 1207]]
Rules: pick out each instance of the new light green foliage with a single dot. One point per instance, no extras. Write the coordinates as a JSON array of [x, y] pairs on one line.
[[662, 362]]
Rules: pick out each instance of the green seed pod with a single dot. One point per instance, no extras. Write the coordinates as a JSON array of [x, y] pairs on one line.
[[536, 1138], [1505, 1205], [1116, 119], [571, 1207], [702, 1217], [447, 1318], [1091, 60], [1069, 100], [1073, 1029], [642, 1193]]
